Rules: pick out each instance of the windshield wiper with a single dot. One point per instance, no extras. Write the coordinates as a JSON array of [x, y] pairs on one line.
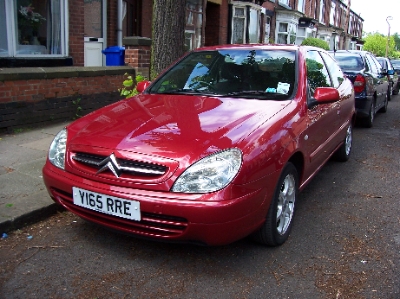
[[256, 93], [190, 91]]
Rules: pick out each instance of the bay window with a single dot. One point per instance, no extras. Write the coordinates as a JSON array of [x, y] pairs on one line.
[[33, 28], [286, 33], [245, 23], [194, 23], [238, 24]]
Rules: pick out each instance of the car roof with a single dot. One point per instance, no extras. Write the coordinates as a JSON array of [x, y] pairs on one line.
[[256, 46], [361, 52]]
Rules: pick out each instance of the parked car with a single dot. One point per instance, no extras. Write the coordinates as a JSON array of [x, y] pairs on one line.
[[396, 65], [370, 82], [394, 83], [215, 149]]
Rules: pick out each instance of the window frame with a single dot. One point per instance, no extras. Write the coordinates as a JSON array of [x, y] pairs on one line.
[[11, 31]]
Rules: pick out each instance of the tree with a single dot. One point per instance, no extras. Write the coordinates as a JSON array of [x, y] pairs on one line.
[[397, 41], [376, 44], [168, 38]]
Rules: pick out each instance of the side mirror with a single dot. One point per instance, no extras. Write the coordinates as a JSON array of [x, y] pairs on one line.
[[390, 72], [326, 95], [142, 85]]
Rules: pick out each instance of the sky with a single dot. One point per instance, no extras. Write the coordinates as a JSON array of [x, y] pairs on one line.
[[375, 15]]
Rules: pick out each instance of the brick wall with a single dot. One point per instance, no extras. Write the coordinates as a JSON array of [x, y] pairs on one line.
[[112, 20], [30, 96], [138, 53], [147, 16], [76, 31]]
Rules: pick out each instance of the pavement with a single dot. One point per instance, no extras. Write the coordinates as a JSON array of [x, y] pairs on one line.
[[23, 195]]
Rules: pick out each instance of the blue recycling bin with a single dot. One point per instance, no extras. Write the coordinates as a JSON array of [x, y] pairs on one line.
[[115, 55]]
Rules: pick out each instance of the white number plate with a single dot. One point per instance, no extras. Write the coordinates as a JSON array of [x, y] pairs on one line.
[[111, 205]]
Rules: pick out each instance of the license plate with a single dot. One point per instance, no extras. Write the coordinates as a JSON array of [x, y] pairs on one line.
[[129, 209]]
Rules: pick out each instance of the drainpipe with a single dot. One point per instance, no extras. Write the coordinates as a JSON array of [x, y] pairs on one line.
[[119, 24]]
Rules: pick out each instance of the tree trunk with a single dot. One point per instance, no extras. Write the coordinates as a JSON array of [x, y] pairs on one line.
[[168, 38]]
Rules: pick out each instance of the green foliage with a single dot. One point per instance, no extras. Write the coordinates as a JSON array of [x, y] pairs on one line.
[[396, 38], [129, 89], [376, 43], [315, 42], [314, 74], [78, 108]]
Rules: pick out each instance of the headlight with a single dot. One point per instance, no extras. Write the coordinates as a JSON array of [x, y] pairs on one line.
[[211, 173], [57, 149]]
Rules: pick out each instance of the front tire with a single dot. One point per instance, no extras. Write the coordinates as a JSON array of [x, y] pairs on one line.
[[276, 228]]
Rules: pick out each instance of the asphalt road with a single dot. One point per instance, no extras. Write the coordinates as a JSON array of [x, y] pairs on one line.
[[345, 244]]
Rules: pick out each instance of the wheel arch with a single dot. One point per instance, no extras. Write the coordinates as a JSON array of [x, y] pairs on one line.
[[297, 159]]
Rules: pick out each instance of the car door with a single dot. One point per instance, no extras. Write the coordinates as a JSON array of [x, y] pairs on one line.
[[322, 119], [380, 81]]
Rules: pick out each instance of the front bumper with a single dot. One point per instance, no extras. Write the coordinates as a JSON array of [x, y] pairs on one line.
[[175, 217]]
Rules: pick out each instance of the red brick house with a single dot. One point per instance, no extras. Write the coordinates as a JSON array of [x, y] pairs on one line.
[[51, 50]]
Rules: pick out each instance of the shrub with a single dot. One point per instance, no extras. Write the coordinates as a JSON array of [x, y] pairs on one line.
[[315, 42], [129, 89]]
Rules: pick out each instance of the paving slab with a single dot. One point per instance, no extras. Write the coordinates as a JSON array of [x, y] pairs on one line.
[[23, 195]]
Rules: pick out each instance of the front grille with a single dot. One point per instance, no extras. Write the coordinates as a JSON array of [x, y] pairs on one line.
[[151, 225], [119, 166]]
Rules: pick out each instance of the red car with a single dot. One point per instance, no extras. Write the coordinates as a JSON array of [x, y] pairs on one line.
[[215, 149]]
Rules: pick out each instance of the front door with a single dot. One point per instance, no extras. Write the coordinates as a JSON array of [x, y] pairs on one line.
[[94, 41]]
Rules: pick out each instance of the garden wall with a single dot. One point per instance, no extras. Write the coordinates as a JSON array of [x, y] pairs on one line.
[[35, 96]]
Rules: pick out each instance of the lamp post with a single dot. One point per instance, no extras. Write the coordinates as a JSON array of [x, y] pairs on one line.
[[334, 40], [389, 18]]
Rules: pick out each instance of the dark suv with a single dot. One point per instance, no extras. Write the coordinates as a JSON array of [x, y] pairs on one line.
[[370, 81]]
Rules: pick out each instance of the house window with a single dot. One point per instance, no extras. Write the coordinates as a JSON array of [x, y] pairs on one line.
[[286, 33], [33, 28], [194, 21], [239, 21], [301, 35], [300, 5], [254, 26], [321, 11], [333, 13], [267, 29], [245, 23], [284, 2]]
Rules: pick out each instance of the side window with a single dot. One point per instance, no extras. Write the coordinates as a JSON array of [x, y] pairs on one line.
[[378, 66], [372, 65], [334, 69], [317, 74]]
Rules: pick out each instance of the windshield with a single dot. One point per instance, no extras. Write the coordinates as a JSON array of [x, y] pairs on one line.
[[232, 72], [350, 62]]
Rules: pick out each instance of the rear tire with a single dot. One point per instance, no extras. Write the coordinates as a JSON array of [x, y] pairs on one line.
[[276, 228], [343, 152], [368, 122], [385, 105]]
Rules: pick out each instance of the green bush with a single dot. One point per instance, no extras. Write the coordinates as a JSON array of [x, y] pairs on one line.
[[129, 89], [315, 42]]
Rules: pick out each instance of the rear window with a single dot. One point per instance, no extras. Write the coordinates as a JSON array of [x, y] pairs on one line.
[[396, 63], [350, 62]]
